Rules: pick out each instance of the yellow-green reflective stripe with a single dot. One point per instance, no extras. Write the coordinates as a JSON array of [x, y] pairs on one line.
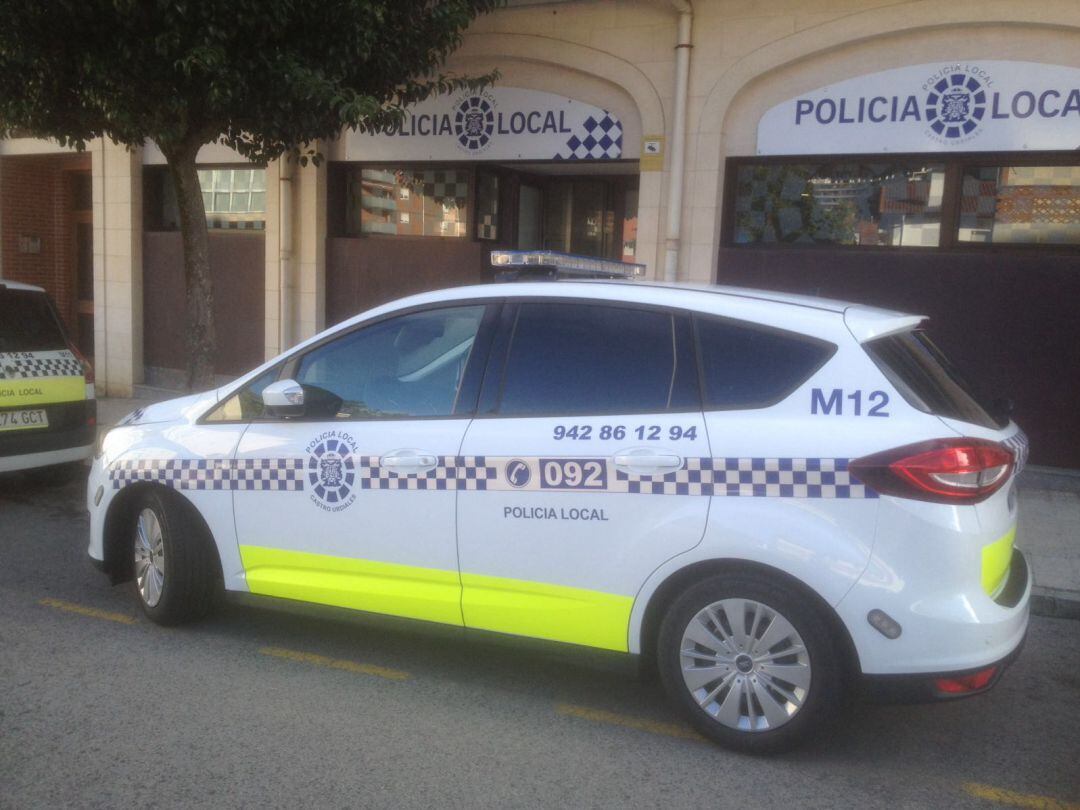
[[535, 609], [41, 391], [995, 561], [400, 590], [539, 610]]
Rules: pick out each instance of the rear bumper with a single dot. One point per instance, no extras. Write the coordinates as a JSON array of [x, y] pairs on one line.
[[46, 458], [925, 688]]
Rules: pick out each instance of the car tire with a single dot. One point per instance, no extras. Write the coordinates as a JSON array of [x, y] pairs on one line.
[[763, 690], [176, 575]]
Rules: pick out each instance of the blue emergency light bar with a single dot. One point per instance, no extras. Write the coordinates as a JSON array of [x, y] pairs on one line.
[[529, 265]]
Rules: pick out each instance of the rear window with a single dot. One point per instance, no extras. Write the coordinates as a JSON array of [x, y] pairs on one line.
[[28, 323], [928, 381], [748, 366]]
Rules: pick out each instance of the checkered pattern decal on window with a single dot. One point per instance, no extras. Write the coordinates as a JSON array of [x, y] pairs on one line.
[[34, 365], [599, 138], [720, 477]]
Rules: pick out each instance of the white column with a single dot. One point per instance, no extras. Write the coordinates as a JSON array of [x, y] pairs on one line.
[[118, 281]]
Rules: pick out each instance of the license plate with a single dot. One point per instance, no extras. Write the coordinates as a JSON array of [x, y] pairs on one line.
[[19, 420]]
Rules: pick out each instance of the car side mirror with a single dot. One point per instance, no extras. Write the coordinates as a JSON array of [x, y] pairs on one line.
[[284, 398]]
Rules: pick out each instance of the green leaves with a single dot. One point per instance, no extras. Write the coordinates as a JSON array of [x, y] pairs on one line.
[[267, 75]]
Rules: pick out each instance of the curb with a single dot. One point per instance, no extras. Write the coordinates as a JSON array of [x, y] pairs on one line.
[[1055, 604]]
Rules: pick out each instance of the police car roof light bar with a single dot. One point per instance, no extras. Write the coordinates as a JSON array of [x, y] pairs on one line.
[[514, 265]]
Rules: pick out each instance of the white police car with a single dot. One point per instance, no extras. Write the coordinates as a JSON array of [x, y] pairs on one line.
[[777, 498], [48, 412]]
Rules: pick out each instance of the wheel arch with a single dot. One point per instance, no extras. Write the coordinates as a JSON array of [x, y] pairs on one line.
[[678, 581], [118, 563]]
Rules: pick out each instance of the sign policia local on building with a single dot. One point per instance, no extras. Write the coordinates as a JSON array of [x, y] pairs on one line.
[[966, 106], [500, 123]]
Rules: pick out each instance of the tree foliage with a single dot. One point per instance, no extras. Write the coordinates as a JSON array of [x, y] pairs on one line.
[[267, 77]]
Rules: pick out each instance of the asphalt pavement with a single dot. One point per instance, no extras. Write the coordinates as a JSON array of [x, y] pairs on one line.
[[277, 704]]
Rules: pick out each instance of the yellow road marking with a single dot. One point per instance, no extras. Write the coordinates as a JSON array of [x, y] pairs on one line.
[[1030, 801], [626, 721], [83, 610], [335, 663]]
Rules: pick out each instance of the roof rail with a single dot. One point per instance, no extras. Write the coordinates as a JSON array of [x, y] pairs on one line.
[[551, 265]]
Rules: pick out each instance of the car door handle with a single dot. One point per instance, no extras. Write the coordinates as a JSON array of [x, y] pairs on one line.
[[408, 460], [656, 461]]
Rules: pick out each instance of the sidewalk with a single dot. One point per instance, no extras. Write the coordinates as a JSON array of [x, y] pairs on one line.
[[1049, 530]]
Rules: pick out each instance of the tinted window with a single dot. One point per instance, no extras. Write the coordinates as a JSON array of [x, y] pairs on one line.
[[406, 366], [584, 358], [27, 323], [744, 366], [927, 380]]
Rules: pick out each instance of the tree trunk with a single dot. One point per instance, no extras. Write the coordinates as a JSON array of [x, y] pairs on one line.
[[198, 285]]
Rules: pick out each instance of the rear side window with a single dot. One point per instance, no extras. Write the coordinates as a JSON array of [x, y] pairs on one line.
[[748, 366], [595, 359], [927, 380], [28, 323]]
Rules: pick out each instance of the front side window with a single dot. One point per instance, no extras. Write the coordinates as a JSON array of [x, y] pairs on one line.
[[866, 204], [408, 366], [594, 359], [748, 366], [409, 202], [1020, 205]]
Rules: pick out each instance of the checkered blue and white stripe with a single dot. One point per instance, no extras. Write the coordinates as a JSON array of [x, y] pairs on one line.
[[450, 473], [1018, 443], [721, 477], [753, 477], [278, 474], [26, 366]]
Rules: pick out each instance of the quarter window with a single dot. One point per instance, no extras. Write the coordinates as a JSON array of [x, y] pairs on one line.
[[746, 366], [584, 358], [408, 366]]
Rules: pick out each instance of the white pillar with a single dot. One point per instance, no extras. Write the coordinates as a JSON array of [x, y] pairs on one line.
[[118, 280]]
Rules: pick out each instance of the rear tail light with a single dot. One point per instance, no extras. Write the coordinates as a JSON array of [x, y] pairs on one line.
[[88, 370], [88, 377], [941, 471], [965, 684]]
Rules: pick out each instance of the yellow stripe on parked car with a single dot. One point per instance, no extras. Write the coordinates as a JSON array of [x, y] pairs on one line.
[[553, 612], [995, 561], [518, 607], [378, 587], [43, 391]]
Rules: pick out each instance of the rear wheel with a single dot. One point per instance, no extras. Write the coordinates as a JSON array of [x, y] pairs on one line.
[[750, 662], [176, 575]]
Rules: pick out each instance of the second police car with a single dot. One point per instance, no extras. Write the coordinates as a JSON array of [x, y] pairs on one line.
[[779, 499]]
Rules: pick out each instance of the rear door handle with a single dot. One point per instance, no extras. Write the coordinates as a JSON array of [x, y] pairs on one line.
[[408, 460]]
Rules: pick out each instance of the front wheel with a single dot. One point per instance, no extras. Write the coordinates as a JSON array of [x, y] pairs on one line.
[[176, 575], [750, 662]]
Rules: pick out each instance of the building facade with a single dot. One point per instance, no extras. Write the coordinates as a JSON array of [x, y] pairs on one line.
[[918, 155]]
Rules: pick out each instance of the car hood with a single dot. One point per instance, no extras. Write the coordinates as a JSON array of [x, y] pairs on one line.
[[181, 409]]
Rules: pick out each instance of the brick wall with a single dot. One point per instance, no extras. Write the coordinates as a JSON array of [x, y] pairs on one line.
[[35, 201]]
